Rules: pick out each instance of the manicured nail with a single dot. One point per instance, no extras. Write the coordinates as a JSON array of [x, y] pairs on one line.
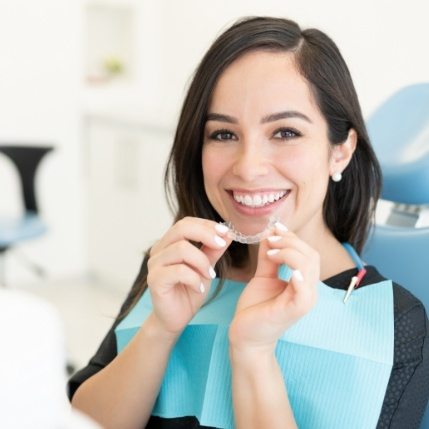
[[298, 275], [219, 241], [281, 227], [212, 273], [272, 252], [274, 238], [221, 228], [202, 288]]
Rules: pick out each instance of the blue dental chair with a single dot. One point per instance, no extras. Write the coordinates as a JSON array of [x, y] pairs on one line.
[[29, 225], [399, 131]]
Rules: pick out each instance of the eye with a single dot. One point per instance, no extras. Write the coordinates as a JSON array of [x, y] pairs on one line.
[[286, 134], [222, 135]]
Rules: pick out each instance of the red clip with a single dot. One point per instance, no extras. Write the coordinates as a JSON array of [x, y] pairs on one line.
[[360, 275]]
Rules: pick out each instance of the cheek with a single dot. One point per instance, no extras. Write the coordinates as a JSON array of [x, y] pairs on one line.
[[298, 165], [310, 172]]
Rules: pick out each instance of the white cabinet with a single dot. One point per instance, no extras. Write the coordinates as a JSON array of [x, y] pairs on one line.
[[126, 199]]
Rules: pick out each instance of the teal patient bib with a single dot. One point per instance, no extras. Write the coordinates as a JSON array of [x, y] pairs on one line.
[[336, 360]]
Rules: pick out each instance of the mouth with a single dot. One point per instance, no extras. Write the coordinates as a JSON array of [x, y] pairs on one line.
[[258, 199]]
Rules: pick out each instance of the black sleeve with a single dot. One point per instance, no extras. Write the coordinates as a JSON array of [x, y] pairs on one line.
[[408, 389], [108, 349]]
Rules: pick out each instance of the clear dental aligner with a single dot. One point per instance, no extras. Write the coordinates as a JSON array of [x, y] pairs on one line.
[[249, 239]]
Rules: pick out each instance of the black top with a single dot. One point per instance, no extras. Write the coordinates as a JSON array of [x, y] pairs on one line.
[[408, 389]]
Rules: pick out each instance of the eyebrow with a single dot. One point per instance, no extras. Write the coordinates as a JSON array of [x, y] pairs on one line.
[[284, 115], [269, 118]]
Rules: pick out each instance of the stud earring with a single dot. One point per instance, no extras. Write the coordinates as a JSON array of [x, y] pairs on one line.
[[336, 177]]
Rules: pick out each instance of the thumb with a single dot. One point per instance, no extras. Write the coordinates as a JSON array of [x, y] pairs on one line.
[[266, 267]]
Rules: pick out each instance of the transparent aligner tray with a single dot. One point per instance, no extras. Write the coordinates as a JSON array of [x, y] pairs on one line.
[[249, 239]]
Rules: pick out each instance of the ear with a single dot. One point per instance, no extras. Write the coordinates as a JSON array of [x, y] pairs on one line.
[[342, 153]]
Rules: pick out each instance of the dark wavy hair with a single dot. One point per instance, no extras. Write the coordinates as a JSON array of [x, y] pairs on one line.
[[349, 205]]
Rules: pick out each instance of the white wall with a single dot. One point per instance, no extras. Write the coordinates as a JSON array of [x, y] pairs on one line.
[[384, 42], [39, 82], [41, 55]]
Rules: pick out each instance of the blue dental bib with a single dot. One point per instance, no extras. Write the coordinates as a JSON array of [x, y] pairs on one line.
[[336, 360]]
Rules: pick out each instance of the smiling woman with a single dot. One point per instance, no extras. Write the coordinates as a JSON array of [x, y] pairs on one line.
[[270, 144], [269, 154]]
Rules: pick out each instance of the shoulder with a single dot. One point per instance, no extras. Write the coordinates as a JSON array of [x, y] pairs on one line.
[[411, 327], [408, 389], [405, 303], [409, 311], [410, 324]]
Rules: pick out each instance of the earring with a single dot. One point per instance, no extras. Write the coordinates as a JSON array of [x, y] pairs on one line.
[[336, 177]]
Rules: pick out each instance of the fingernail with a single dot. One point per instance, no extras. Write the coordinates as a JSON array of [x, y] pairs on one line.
[[298, 275], [281, 227], [274, 238], [212, 272], [202, 288], [272, 252], [219, 241], [221, 228]]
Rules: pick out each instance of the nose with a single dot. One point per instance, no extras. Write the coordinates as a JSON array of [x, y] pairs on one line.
[[250, 162]]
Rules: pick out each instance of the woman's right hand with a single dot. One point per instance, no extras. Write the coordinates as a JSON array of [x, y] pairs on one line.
[[180, 273]]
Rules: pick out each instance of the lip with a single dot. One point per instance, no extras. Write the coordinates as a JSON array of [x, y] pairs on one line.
[[257, 211]]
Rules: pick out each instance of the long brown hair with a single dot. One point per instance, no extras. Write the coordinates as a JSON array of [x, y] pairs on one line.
[[349, 205]]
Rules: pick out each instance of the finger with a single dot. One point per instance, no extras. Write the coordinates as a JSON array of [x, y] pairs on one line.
[[267, 267], [303, 298], [289, 256], [292, 307], [304, 268], [207, 232], [281, 237], [163, 279], [213, 255], [289, 239], [183, 252], [300, 295]]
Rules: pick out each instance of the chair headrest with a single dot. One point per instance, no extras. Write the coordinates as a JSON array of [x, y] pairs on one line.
[[399, 131]]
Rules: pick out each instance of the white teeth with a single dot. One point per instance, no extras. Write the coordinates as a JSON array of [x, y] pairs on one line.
[[258, 200]]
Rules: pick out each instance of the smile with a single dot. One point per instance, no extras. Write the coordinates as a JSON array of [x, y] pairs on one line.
[[259, 199]]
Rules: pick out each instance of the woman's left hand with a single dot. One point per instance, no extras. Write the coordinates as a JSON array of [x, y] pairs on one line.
[[268, 306]]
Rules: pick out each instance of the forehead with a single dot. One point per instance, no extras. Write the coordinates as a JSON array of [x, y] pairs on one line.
[[262, 81]]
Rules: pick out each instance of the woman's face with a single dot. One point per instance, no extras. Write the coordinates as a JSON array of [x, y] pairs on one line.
[[266, 152]]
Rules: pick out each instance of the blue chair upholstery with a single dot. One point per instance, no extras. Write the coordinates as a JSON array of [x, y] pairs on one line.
[[28, 226], [13, 230], [399, 131], [402, 254]]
